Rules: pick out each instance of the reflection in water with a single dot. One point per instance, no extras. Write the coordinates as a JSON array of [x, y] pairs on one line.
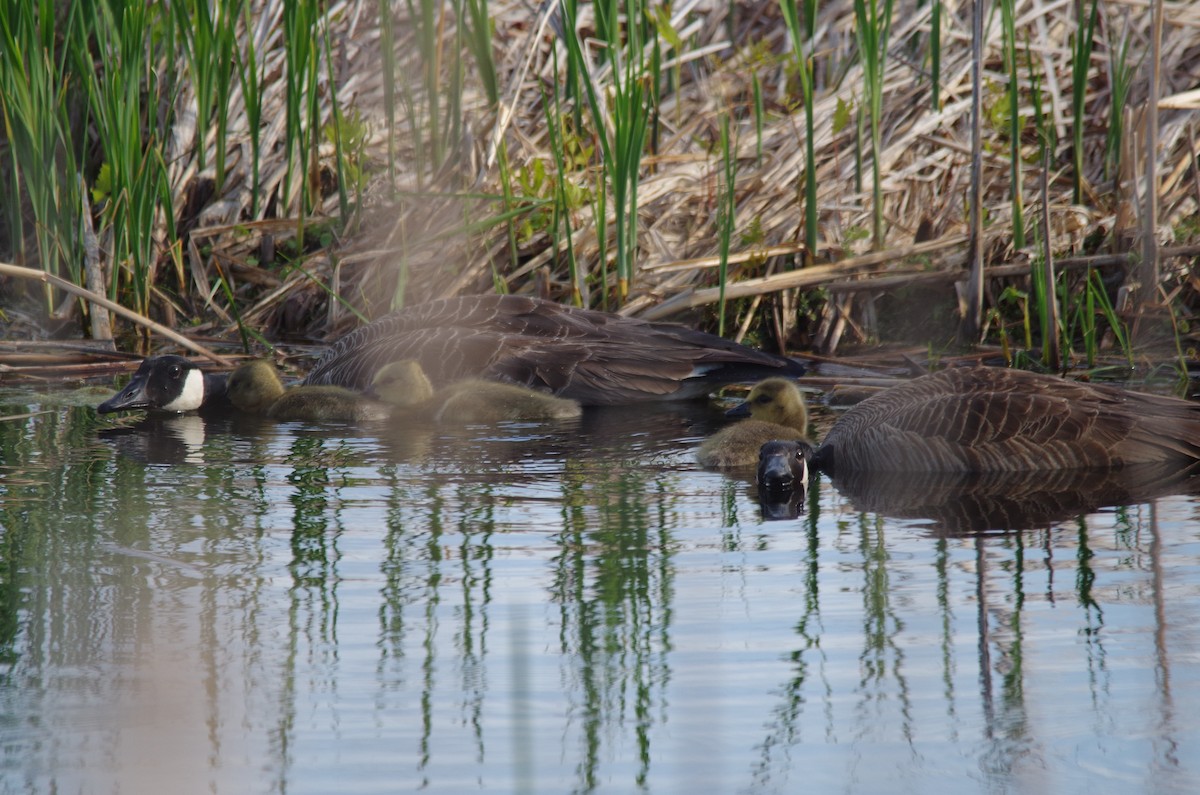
[[959, 503], [241, 605]]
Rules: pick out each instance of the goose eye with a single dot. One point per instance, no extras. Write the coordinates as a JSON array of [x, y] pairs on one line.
[[176, 371]]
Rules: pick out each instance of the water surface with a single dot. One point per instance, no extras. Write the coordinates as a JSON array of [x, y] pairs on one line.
[[244, 606]]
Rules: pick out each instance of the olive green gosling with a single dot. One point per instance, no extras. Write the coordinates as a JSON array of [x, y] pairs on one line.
[[404, 385], [255, 388], [777, 411]]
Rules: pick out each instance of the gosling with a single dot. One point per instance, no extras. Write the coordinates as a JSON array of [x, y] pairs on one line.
[[404, 384], [777, 411], [255, 388]]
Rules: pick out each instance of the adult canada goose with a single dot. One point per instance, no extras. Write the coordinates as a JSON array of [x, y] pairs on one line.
[[596, 358], [984, 419], [169, 383], [783, 465], [255, 388], [777, 411], [405, 385]]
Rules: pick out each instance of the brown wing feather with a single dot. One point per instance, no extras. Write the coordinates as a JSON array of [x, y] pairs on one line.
[[996, 420], [593, 357]]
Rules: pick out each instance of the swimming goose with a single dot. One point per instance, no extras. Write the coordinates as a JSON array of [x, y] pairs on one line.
[[985, 419], [169, 383], [404, 384], [777, 411], [783, 465], [596, 358], [255, 388]]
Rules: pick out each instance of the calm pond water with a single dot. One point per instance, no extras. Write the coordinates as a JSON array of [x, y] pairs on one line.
[[241, 606]]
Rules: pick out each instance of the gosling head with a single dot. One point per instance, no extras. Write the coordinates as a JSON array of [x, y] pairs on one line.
[[402, 384], [783, 466], [776, 400], [254, 386]]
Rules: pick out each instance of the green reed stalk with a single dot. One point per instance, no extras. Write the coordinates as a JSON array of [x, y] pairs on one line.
[[300, 19], [479, 41], [1081, 56], [1047, 135], [225, 40], [250, 75], [124, 93], [1040, 300], [791, 15], [35, 105], [337, 133], [1021, 298], [387, 47], [873, 27], [509, 199], [1083, 322], [193, 23], [630, 109], [759, 115], [600, 213], [726, 213], [208, 33], [562, 208], [1115, 322], [1120, 77], [1007, 12], [423, 15], [935, 54]]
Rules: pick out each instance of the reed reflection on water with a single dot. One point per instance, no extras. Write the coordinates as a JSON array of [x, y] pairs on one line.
[[238, 605]]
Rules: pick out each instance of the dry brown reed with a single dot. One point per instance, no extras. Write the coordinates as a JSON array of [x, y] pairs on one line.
[[434, 233]]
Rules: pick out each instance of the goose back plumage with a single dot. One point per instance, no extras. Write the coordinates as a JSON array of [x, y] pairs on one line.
[[983, 419], [596, 358]]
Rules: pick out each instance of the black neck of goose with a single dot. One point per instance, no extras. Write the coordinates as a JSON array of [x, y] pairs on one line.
[[216, 398]]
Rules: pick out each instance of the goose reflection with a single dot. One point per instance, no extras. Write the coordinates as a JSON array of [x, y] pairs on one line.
[[965, 504]]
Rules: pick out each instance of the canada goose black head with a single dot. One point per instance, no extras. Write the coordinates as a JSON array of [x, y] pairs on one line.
[[775, 400], [596, 358], [783, 465], [168, 383]]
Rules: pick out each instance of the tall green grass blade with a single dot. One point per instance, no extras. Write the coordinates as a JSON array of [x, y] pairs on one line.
[[35, 111], [1120, 77], [1015, 125], [251, 78], [873, 25], [726, 213], [1081, 57], [791, 16], [623, 144], [935, 55], [387, 46]]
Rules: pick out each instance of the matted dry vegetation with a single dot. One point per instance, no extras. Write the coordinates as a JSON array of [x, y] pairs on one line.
[[438, 225]]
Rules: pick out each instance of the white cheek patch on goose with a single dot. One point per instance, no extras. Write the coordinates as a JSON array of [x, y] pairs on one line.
[[191, 397]]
